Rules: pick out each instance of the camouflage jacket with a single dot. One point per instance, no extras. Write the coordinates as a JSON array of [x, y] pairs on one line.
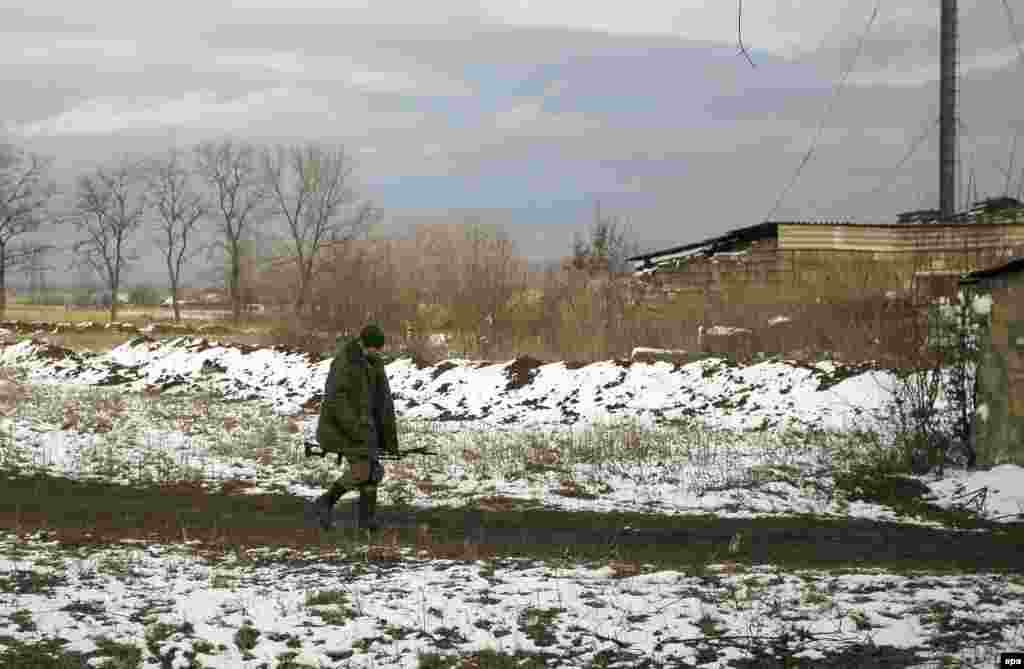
[[357, 416]]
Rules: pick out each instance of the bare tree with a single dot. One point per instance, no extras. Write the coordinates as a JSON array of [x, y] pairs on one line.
[[231, 171], [25, 193], [496, 275], [310, 187], [109, 207], [607, 249], [179, 208]]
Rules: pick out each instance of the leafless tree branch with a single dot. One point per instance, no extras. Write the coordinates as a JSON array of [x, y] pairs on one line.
[[25, 193], [179, 208], [109, 208], [310, 187], [231, 172]]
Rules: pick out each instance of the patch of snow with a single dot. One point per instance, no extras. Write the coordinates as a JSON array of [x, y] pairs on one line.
[[396, 609], [725, 331], [642, 351]]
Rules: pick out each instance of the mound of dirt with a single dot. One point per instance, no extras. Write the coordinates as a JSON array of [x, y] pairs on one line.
[[52, 352], [521, 372], [441, 369], [313, 356]]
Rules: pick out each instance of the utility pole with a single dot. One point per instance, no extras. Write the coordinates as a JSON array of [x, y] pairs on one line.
[[947, 111]]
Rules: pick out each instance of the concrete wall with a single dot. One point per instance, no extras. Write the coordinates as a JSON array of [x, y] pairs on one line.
[[999, 425], [951, 238], [841, 258]]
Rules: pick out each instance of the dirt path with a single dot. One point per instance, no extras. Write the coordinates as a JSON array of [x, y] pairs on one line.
[[762, 539], [102, 513]]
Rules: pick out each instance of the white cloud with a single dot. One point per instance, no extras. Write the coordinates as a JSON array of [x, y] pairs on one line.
[[985, 62], [787, 28], [384, 82], [519, 116], [555, 88], [528, 118], [197, 109], [27, 48], [273, 61], [297, 67]]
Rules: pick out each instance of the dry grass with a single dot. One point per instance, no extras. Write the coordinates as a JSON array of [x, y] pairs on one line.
[[854, 329], [26, 312], [254, 331], [477, 291]]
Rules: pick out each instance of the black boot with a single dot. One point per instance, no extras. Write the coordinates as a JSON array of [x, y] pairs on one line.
[[368, 509], [323, 507]]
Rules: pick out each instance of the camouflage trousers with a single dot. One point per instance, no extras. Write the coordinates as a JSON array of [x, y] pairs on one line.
[[359, 474]]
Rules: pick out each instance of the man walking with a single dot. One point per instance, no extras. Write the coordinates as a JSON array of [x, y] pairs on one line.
[[357, 419]]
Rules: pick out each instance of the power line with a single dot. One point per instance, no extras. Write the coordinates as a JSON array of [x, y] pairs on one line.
[[972, 188], [974, 155], [884, 181], [1012, 26], [739, 33], [965, 200], [827, 110]]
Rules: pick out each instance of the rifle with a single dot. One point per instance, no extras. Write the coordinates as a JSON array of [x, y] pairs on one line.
[[313, 448]]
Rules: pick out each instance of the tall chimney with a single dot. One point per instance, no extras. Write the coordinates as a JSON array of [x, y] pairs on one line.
[[947, 112]]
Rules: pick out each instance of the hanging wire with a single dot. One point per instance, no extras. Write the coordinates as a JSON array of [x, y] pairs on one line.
[[973, 193], [1008, 173], [885, 181], [825, 114], [965, 202], [739, 34], [1012, 26]]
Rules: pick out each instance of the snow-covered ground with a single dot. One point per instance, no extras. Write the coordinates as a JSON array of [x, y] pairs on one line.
[[484, 419]]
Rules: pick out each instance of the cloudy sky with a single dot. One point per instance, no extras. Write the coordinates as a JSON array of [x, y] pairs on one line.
[[524, 113]]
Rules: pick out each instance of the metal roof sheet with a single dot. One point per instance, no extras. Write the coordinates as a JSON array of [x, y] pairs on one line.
[[770, 229], [1014, 265]]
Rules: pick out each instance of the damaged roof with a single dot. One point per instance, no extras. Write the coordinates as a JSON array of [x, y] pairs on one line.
[[1013, 265], [766, 230]]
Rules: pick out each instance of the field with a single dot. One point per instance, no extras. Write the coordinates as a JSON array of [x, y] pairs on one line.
[[255, 330], [612, 514]]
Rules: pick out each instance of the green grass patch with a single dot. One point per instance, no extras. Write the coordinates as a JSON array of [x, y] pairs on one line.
[[118, 655], [666, 542], [484, 659], [23, 619], [246, 637], [41, 654]]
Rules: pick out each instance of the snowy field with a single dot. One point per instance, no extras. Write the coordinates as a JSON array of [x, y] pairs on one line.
[[143, 412]]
